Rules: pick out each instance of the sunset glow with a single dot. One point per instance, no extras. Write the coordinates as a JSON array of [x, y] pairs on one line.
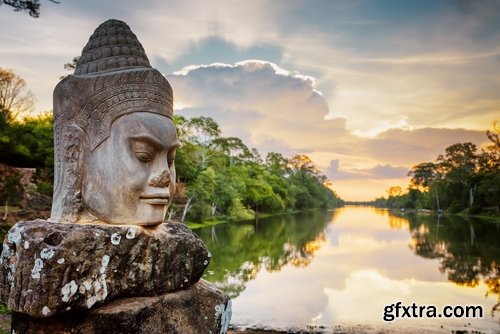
[[365, 88]]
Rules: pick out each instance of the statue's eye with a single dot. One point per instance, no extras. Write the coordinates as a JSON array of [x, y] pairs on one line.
[[143, 156]]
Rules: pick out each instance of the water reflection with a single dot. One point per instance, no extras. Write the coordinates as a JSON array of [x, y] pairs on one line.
[[241, 250], [325, 270], [468, 250]]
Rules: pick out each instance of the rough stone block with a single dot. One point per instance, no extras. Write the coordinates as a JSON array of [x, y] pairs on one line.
[[201, 309], [47, 268]]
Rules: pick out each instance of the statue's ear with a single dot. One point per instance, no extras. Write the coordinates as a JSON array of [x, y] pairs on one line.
[[173, 179], [70, 152]]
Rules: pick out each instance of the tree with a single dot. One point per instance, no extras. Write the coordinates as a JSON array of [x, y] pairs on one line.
[[234, 148], [489, 159], [301, 163], [29, 143], [202, 191], [277, 163], [395, 191], [30, 6], [71, 66], [15, 98], [261, 197], [460, 159], [460, 164], [425, 176], [461, 179], [202, 131], [181, 127]]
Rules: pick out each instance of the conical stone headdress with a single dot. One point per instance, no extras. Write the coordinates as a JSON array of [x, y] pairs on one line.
[[112, 46], [113, 78]]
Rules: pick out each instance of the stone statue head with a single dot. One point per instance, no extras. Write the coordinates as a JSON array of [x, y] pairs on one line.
[[114, 137]]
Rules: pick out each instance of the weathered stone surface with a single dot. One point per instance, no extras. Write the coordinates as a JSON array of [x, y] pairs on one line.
[[46, 267], [201, 309], [114, 136]]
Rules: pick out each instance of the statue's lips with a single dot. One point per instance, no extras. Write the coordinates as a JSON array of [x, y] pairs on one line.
[[155, 199]]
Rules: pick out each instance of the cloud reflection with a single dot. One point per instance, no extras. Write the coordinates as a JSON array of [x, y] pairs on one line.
[[362, 260]]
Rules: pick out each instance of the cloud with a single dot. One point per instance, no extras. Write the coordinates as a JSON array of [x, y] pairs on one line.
[[377, 172], [427, 64], [408, 147], [268, 106], [437, 59], [378, 66], [387, 172], [274, 109]]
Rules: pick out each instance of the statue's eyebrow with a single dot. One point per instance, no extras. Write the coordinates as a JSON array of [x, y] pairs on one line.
[[155, 141]]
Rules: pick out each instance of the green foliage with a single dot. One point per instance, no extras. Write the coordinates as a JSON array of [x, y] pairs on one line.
[[4, 309], [462, 179], [185, 165], [455, 206], [203, 190], [45, 188], [12, 191], [227, 179], [28, 143], [238, 212]]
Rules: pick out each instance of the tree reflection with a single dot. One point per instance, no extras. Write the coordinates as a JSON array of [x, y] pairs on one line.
[[241, 250], [468, 250]]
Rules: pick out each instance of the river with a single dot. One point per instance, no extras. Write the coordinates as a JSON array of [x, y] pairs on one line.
[[336, 271]]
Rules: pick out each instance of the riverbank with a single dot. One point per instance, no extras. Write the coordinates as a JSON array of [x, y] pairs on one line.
[[213, 222], [5, 321], [489, 217], [359, 329]]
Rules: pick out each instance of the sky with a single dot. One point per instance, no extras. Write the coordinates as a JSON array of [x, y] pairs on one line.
[[366, 88]]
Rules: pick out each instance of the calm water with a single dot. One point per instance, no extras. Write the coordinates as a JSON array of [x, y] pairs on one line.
[[338, 269]]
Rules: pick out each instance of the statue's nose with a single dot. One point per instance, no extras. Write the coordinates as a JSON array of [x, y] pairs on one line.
[[162, 180]]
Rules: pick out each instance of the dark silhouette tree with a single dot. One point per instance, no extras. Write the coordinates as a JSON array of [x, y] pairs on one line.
[[30, 6]]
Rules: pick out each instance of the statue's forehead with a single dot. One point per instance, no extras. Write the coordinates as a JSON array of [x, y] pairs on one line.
[[145, 124], [113, 95]]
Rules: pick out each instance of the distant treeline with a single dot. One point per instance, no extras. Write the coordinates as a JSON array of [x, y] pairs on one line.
[[462, 179]]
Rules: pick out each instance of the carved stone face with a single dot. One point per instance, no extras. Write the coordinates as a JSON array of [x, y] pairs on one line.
[[130, 177]]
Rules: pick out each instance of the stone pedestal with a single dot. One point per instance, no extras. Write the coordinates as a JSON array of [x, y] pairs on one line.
[[201, 309], [74, 278], [47, 268]]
